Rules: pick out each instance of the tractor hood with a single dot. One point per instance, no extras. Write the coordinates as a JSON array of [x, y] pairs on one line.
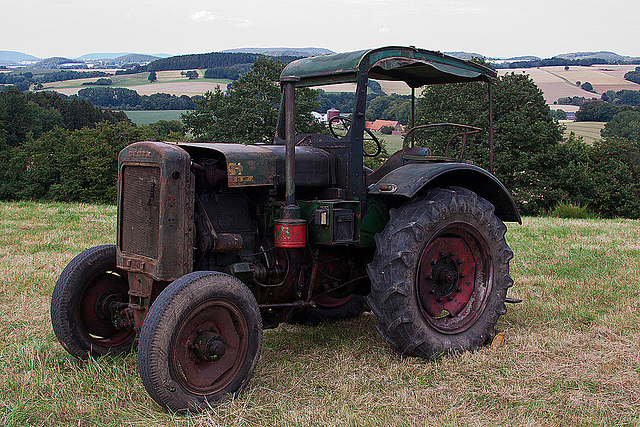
[[263, 165]]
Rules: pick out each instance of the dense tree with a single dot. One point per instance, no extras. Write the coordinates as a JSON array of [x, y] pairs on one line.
[[625, 124], [73, 166], [111, 97], [633, 76], [248, 111], [393, 107], [595, 111], [191, 75], [531, 158], [622, 97], [525, 133], [152, 77], [587, 86]]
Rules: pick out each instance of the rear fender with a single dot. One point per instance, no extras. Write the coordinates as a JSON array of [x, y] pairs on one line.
[[408, 180]]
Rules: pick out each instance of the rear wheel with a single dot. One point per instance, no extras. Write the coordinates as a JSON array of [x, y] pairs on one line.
[[84, 297], [200, 342], [440, 274]]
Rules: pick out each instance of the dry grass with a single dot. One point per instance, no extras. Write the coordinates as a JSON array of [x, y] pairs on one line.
[[571, 355]]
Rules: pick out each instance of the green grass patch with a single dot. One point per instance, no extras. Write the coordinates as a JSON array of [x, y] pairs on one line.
[[570, 355], [146, 117]]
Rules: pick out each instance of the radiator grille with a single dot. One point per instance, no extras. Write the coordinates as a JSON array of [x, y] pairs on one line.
[[140, 210]]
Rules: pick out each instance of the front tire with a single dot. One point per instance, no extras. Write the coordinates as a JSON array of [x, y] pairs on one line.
[[82, 301], [440, 274], [200, 341]]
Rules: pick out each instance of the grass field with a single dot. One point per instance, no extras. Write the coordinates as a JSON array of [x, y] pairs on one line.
[[571, 352], [146, 117]]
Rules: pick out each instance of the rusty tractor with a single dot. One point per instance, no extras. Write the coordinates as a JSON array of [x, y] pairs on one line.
[[216, 242]]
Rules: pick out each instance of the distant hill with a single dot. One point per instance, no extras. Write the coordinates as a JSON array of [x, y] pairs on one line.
[[282, 51], [464, 55], [134, 58], [12, 56], [101, 56], [56, 62], [117, 56], [607, 56]]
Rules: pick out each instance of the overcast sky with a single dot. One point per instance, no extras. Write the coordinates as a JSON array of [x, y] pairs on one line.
[[496, 28]]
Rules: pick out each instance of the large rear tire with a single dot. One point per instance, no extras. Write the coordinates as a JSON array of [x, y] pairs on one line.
[[81, 305], [440, 274], [200, 341]]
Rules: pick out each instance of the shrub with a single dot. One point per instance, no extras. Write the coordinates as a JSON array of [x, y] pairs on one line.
[[572, 210]]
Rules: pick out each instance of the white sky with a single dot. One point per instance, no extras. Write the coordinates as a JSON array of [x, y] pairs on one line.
[[496, 28]]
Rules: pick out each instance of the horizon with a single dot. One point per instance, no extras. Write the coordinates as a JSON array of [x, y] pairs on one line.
[[165, 54], [495, 28]]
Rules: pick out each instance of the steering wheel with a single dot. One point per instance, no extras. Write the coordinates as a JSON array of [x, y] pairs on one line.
[[346, 123]]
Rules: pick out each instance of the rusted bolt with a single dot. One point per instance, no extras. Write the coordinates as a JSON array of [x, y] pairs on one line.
[[439, 299], [461, 274], [452, 254], [441, 253], [449, 298]]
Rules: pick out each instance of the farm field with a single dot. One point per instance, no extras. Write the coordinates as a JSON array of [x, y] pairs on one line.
[[570, 355], [170, 82], [555, 82], [590, 131]]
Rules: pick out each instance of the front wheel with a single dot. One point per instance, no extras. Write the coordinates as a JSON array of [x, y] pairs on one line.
[[83, 301], [200, 341], [440, 274]]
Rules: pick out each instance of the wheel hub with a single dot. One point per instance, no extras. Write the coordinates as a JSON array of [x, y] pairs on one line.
[[446, 277], [209, 345]]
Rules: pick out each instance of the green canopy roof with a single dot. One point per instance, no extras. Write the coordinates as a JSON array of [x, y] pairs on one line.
[[416, 67]]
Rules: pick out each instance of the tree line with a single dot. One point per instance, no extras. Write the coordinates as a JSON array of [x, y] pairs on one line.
[[48, 160], [119, 98], [531, 158], [23, 81], [54, 148]]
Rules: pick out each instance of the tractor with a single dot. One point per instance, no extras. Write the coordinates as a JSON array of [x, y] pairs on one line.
[[217, 242]]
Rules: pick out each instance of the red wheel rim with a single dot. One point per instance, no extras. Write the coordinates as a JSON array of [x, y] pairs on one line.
[[454, 278], [217, 318], [94, 310]]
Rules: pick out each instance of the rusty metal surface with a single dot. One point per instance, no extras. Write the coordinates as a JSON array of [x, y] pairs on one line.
[[247, 165], [155, 210], [415, 66]]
